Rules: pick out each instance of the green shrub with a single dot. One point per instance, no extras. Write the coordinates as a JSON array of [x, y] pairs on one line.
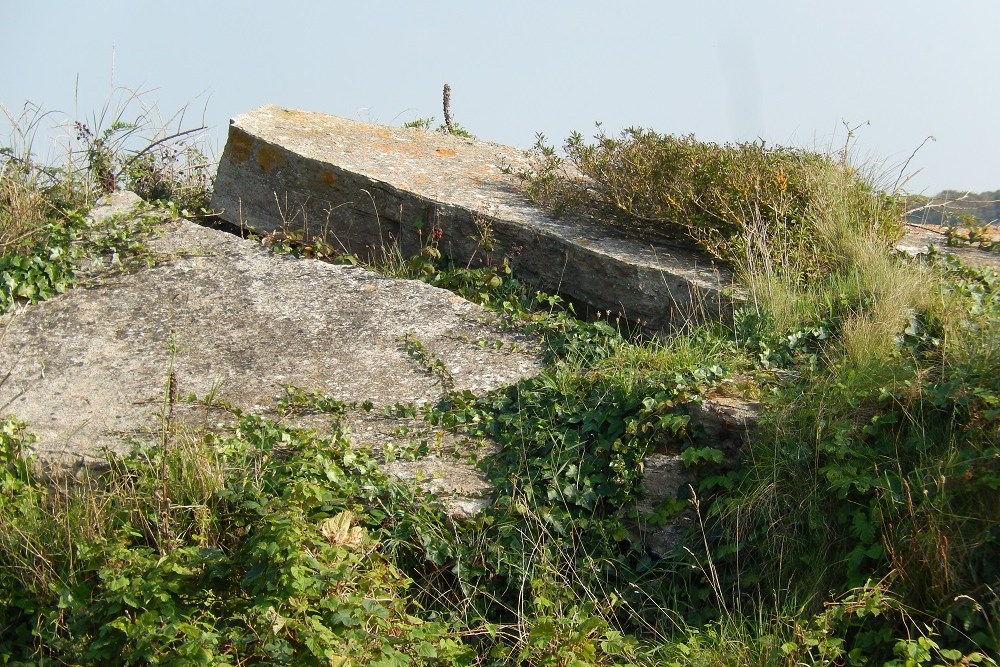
[[733, 200]]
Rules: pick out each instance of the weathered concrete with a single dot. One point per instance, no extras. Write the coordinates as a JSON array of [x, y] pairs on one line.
[[726, 422], [367, 187], [88, 370]]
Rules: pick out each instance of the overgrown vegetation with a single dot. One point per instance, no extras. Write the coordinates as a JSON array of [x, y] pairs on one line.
[[44, 231], [731, 200], [859, 526], [127, 144]]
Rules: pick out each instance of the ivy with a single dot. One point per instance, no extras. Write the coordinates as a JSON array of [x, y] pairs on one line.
[[34, 278]]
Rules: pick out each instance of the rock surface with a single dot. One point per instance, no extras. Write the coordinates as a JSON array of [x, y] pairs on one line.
[[368, 188], [725, 422], [88, 370]]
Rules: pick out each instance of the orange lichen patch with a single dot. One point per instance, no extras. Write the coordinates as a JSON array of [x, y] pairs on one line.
[[393, 145], [239, 144], [296, 114], [327, 177], [412, 148], [268, 157]]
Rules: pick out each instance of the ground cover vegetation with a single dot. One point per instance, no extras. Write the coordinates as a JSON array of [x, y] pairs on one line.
[[859, 526]]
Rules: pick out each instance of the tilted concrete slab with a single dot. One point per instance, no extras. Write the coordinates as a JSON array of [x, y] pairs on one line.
[[368, 187], [88, 370]]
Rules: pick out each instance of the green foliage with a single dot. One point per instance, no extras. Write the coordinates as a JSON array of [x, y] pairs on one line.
[[283, 571], [51, 265], [566, 474], [34, 278], [420, 123], [967, 229], [581, 439], [731, 200]]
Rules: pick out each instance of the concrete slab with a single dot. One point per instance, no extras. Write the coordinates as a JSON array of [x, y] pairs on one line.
[[368, 187], [88, 370]]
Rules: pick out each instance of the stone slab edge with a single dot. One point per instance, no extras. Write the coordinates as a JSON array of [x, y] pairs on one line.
[[367, 188]]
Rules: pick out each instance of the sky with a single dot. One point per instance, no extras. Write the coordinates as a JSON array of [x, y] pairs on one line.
[[914, 80]]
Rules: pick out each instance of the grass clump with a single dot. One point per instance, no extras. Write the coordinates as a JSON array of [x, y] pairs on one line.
[[127, 144], [23, 207], [877, 464]]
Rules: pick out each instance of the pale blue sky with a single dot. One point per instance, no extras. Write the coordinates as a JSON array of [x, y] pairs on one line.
[[791, 72]]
